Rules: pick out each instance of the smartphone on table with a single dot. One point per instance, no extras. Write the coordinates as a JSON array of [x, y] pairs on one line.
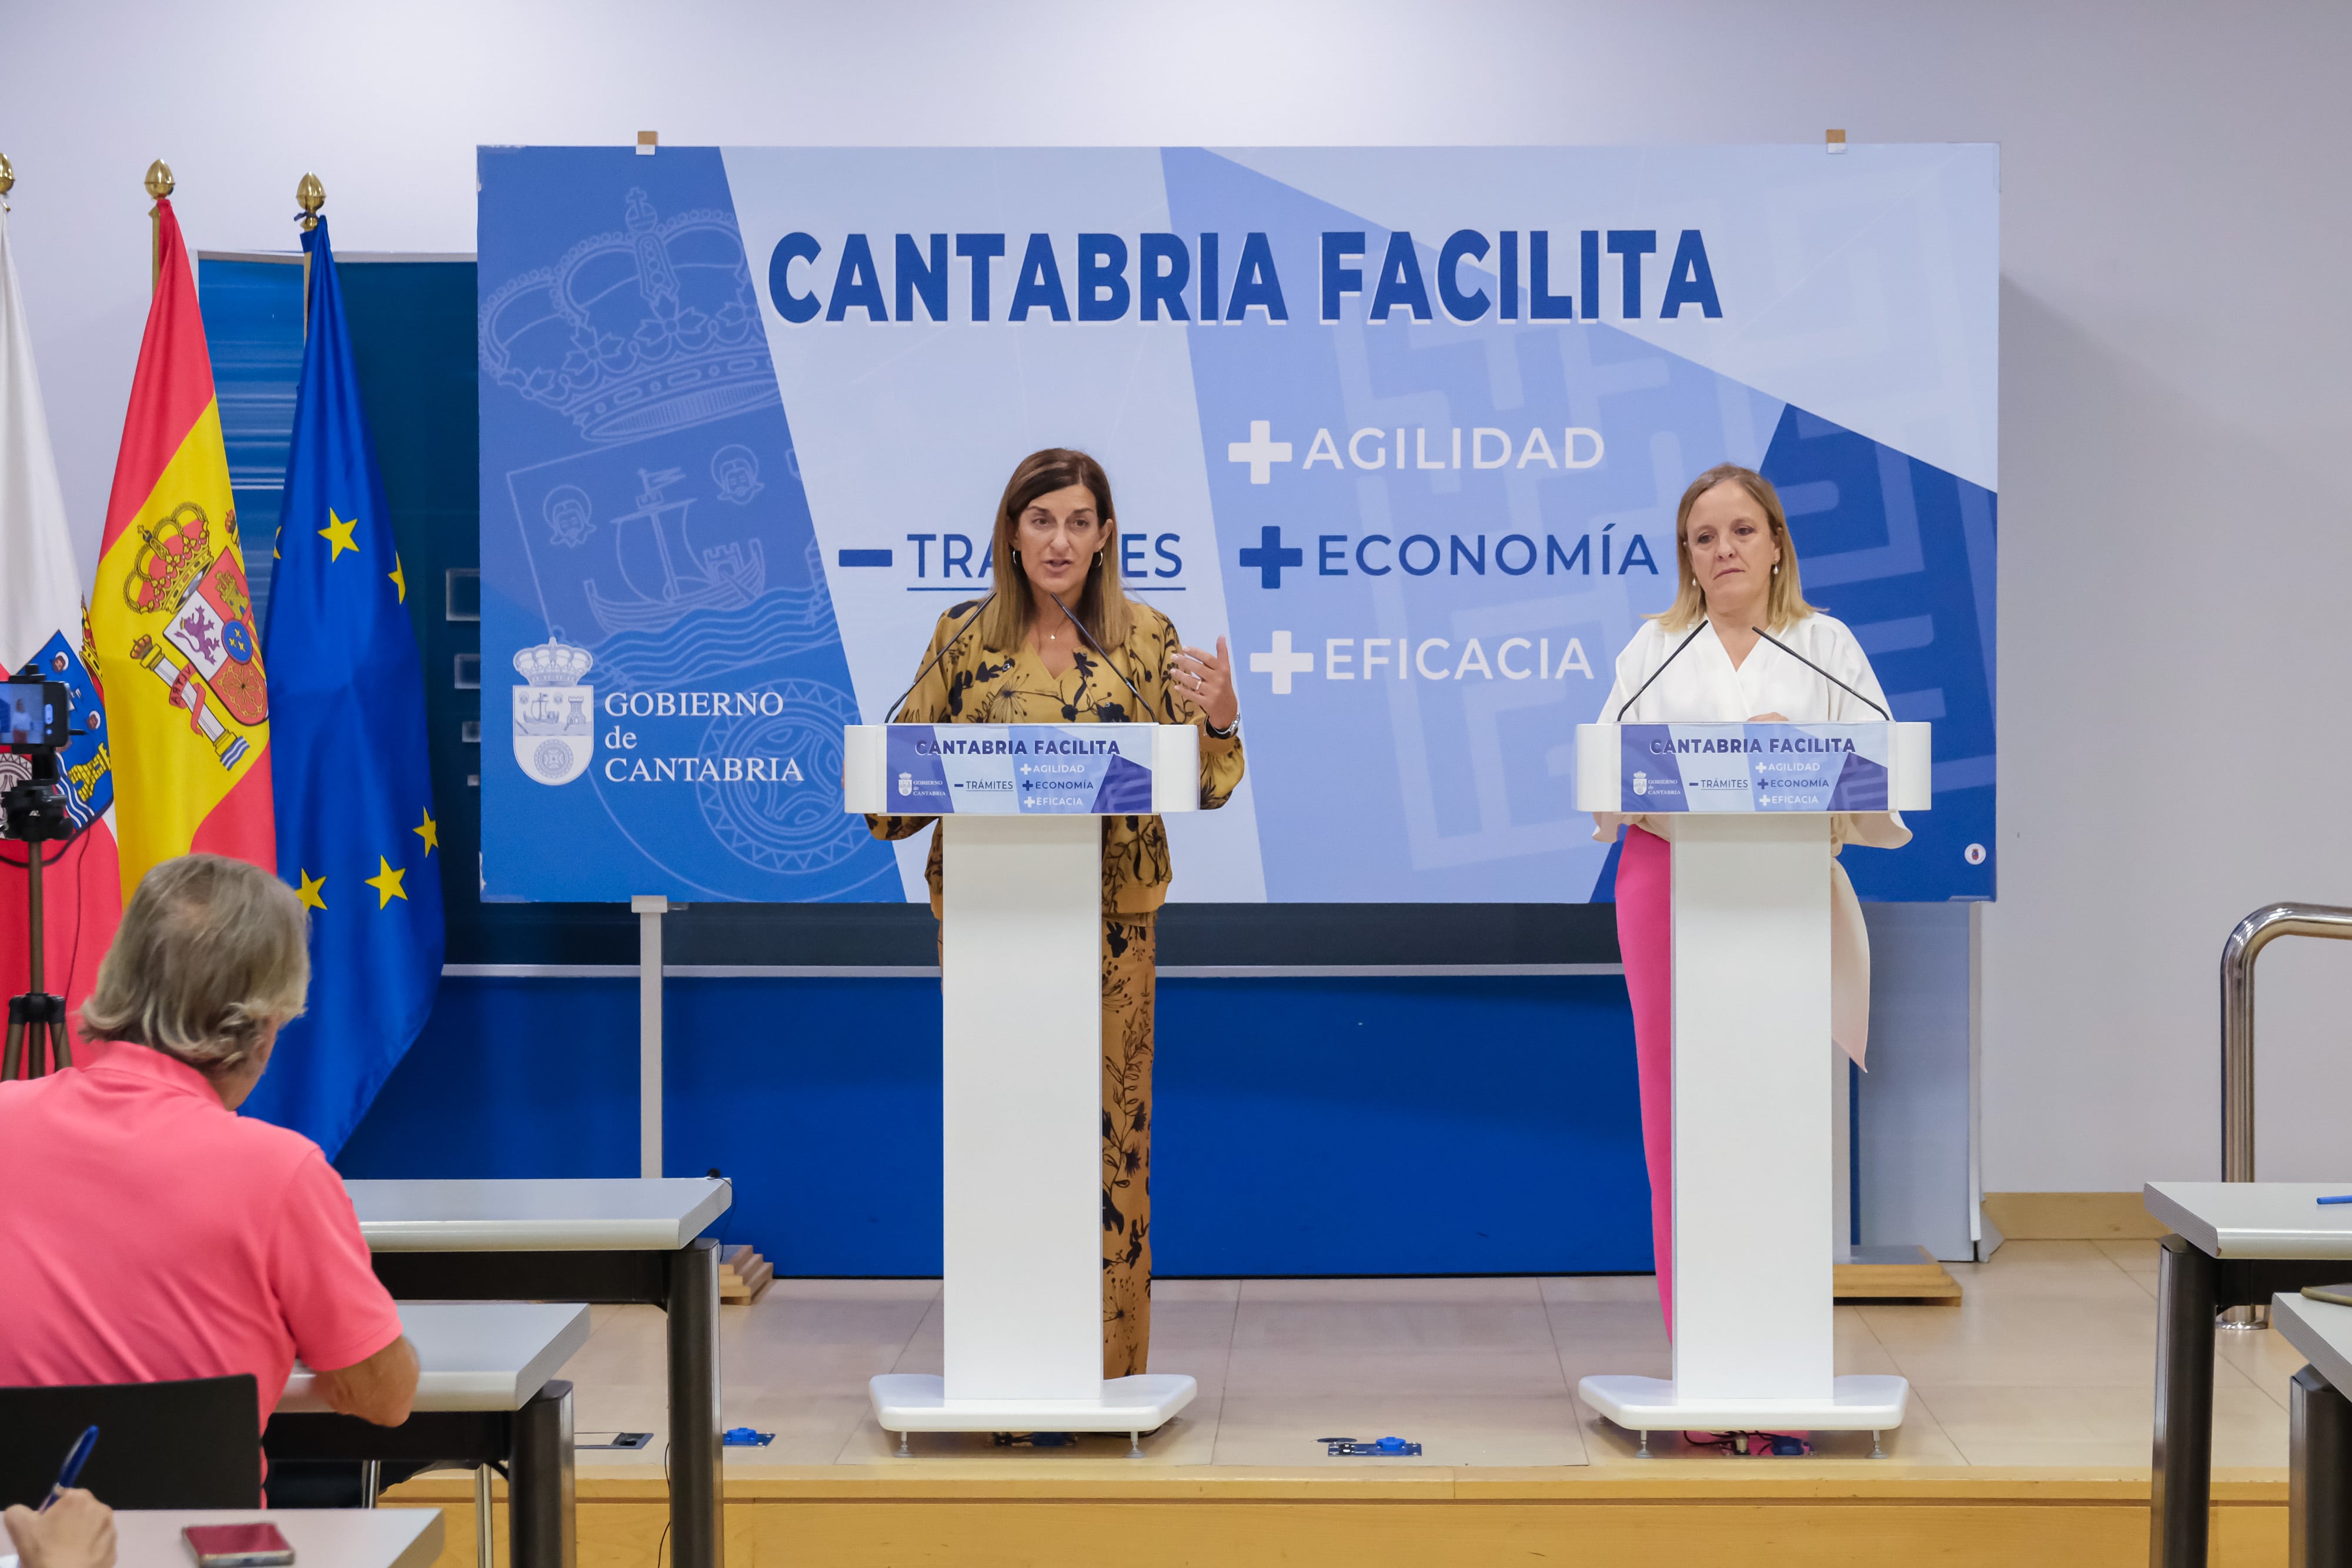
[[255, 1545]]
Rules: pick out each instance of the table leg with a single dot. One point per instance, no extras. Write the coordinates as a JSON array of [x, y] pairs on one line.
[[2181, 1485], [540, 1511], [697, 1539], [485, 1552], [2319, 1473]]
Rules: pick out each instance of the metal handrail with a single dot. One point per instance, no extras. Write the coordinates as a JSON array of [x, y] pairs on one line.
[[2253, 934]]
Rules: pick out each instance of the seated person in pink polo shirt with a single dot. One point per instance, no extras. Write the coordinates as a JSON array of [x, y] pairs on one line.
[[147, 1231]]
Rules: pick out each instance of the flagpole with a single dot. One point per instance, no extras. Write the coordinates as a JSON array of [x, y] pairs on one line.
[[159, 186], [309, 195]]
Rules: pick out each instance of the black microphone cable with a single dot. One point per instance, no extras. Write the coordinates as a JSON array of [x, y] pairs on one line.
[[942, 653], [1661, 669], [1816, 669]]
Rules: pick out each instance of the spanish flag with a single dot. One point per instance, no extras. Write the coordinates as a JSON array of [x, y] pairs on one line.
[[178, 653]]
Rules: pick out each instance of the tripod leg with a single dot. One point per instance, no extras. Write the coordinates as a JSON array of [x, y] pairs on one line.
[[10, 1062], [49, 1014]]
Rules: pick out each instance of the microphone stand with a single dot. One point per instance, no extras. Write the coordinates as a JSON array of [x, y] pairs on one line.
[[1140, 701], [1817, 670]]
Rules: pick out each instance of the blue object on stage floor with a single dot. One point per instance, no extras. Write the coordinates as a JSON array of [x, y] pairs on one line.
[[347, 753], [1348, 1448], [2346, 1198], [744, 1437]]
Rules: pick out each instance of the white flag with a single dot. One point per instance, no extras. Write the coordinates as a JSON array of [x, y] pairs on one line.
[[40, 590], [41, 630]]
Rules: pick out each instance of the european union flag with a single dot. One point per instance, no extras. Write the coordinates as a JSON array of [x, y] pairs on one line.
[[356, 835]]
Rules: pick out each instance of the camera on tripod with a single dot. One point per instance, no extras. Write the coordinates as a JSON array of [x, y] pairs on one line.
[[36, 724]]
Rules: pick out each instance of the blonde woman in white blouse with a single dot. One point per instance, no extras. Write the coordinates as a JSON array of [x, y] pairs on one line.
[[1738, 570]]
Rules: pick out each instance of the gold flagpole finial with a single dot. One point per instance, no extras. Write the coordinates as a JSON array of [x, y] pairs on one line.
[[159, 186], [309, 195], [7, 176]]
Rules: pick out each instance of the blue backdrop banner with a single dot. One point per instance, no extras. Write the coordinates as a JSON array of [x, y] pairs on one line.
[[1408, 426]]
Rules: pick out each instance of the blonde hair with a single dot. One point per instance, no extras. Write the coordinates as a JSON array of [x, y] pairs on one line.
[[1784, 603], [211, 955], [1103, 605]]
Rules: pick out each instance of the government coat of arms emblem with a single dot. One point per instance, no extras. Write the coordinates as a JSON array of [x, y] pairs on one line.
[[209, 652], [555, 712]]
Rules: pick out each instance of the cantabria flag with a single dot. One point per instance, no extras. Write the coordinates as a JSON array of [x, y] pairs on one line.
[[170, 613], [42, 630]]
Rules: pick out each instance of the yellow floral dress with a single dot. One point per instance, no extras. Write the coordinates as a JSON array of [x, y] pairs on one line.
[[980, 685]]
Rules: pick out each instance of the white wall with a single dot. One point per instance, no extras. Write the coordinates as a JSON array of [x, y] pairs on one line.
[[2176, 548]]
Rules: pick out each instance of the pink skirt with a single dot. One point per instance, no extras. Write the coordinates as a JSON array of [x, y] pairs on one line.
[[1646, 941]]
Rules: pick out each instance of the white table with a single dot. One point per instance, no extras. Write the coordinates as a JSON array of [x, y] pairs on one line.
[[2256, 1218], [486, 1392], [620, 1240], [2319, 1426], [2235, 1244], [321, 1537], [472, 1355], [620, 1214]]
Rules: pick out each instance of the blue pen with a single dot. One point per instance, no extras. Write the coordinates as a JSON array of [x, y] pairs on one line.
[[2346, 1198], [71, 1471]]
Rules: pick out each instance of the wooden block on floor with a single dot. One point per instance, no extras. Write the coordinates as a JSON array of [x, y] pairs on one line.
[[2073, 1216], [744, 1276], [1894, 1274]]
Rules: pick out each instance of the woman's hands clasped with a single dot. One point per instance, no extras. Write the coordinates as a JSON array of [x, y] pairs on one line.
[[1208, 679]]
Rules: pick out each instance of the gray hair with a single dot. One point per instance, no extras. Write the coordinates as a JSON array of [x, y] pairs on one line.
[[211, 955]]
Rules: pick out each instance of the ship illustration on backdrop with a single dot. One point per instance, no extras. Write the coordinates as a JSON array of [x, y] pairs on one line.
[[671, 577]]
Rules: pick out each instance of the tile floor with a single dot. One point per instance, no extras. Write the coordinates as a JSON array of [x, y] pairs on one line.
[[2048, 1361]]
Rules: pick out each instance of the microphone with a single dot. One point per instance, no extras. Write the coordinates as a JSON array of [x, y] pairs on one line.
[[1098, 648], [1661, 669], [1817, 669], [942, 653]]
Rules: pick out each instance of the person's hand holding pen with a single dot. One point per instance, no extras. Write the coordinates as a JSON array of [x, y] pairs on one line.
[[73, 1530]]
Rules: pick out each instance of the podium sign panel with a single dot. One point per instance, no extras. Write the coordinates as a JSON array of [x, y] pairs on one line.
[[1020, 988], [1747, 807], [1755, 767], [1025, 769], [1672, 769]]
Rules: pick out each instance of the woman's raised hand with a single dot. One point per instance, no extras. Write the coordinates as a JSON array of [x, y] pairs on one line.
[[1208, 679]]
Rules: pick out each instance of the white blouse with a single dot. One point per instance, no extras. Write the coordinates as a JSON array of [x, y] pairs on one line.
[[1703, 688]]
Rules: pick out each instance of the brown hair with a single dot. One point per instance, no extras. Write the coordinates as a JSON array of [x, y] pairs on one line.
[[1103, 605], [211, 955], [1784, 603]]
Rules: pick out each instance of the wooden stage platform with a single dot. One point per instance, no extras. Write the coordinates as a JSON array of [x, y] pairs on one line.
[[2028, 1441]]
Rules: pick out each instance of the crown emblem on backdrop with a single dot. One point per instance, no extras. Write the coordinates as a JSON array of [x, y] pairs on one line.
[[652, 328], [553, 663], [173, 552]]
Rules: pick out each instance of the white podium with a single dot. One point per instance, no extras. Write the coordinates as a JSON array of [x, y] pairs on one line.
[[1753, 1323], [1021, 984]]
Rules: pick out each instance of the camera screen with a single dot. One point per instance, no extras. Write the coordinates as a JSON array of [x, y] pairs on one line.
[[30, 713]]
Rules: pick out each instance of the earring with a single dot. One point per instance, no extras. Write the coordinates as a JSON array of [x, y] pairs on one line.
[[1776, 570], [1097, 558]]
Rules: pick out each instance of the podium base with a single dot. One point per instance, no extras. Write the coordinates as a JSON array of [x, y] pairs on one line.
[[1871, 1403], [914, 1402]]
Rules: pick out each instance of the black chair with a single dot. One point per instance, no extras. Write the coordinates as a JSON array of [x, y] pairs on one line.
[[192, 1444]]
